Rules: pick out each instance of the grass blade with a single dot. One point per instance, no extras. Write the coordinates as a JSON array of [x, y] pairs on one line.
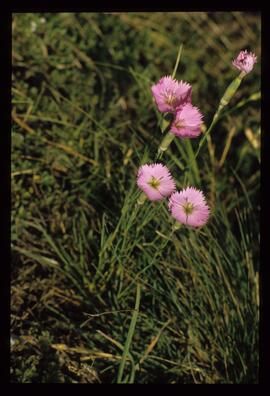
[[130, 335], [177, 60]]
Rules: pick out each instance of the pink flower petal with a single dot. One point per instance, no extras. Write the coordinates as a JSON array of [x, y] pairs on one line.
[[169, 94], [161, 174], [245, 61], [198, 215], [187, 122]]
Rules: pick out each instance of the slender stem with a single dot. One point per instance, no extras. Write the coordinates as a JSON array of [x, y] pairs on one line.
[[141, 198], [224, 101], [214, 121], [165, 142], [177, 60]]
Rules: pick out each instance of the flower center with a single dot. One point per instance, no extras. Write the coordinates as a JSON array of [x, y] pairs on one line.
[[170, 98], [179, 124], [155, 183], [188, 208]]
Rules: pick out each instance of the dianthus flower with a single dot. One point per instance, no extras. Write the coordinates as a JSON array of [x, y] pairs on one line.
[[187, 122], [169, 94], [155, 181], [245, 61], [189, 207]]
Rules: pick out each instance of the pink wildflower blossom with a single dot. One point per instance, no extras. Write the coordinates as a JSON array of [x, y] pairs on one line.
[[245, 61], [169, 94], [187, 122], [155, 181], [189, 207]]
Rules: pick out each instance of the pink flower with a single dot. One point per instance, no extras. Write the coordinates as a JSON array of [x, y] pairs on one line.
[[187, 122], [189, 207], [170, 94], [155, 181], [245, 61]]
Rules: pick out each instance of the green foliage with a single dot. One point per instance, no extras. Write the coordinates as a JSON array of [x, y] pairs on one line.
[[83, 121]]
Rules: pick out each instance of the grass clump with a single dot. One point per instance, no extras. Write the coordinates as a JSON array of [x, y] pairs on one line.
[[83, 118]]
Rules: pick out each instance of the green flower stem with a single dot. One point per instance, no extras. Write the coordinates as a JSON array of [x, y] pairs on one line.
[[141, 199], [176, 226], [228, 94], [166, 142], [214, 121], [166, 122], [230, 91]]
